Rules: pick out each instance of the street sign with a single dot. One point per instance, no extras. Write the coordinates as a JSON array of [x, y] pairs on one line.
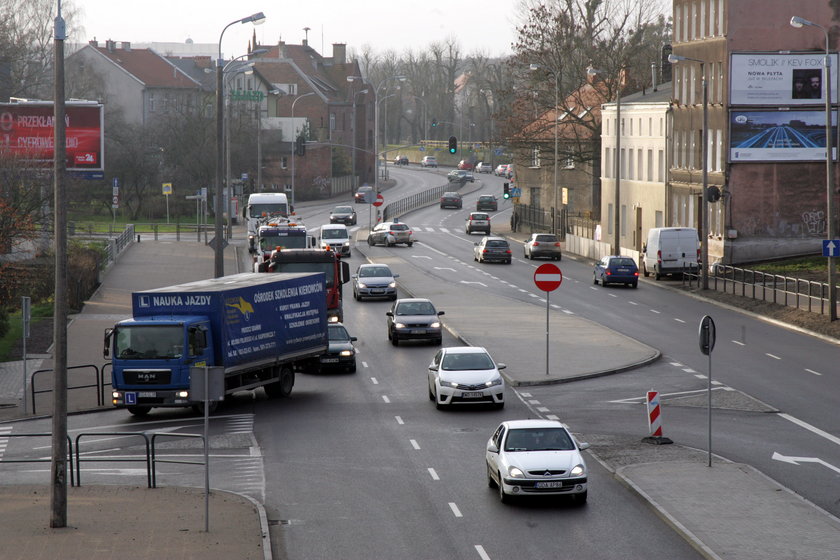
[[167, 189], [548, 277], [380, 200], [707, 335], [831, 247]]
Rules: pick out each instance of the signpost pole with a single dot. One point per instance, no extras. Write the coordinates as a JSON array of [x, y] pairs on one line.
[[547, 278], [547, 294]]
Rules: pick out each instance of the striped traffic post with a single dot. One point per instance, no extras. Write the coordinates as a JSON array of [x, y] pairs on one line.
[[654, 414]]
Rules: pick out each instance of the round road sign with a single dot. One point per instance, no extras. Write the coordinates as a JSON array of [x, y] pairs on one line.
[[548, 277], [380, 200]]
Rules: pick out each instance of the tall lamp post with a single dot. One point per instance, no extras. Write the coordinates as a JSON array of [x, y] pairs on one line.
[[376, 125], [704, 204], [556, 126], [218, 207], [797, 21], [616, 250], [353, 129], [295, 134]]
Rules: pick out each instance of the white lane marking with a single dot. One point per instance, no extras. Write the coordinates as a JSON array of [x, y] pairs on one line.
[[526, 395], [552, 417], [633, 303], [433, 474], [386, 399], [655, 311], [479, 283], [414, 444], [717, 383], [700, 376], [364, 364], [811, 428], [812, 371], [374, 381], [567, 312], [534, 402], [455, 509], [676, 364], [481, 553], [772, 356], [444, 268], [399, 420], [738, 342], [543, 408], [678, 320], [523, 291], [613, 295]]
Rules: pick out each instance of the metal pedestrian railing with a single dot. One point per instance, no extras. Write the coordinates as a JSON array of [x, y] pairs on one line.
[[99, 383]]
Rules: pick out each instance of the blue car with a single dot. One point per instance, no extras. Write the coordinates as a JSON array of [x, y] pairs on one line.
[[616, 270]]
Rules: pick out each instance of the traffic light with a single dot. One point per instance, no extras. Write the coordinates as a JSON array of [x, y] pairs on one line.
[[453, 145], [506, 191], [434, 123], [300, 146]]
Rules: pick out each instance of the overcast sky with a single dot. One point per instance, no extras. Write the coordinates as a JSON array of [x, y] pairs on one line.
[[487, 26]]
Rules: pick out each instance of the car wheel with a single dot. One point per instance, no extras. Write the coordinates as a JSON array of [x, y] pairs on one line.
[[438, 405], [580, 499], [370, 241], [558, 258], [394, 297], [504, 498], [351, 368], [526, 255], [410, 243], [490, 482], [355, 296], [139, 410], [509, 261], [438, 341], [394, 340], [635, 285], [645, 271], [657, 276]]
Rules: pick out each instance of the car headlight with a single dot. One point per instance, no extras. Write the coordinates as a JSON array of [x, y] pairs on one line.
[[577, 470], [392, 284], [346, 243], [362, 285], [399, 325], [435, 325], [494, 382], [346, 353], [333, 319], [452, 384], [515, 472]]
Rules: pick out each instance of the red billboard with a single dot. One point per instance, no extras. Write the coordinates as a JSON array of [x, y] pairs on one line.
[[27, 133]]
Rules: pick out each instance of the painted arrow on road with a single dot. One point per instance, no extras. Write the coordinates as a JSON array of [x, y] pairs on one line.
[[796, 460]]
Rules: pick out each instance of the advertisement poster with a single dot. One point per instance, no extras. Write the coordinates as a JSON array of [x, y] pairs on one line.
[[779, 79], [27, 133], [779, 135]]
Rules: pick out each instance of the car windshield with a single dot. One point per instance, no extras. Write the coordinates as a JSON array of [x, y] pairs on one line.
[[415, 308], [338, 333], [622, 262], [333, 234], [457, 361], [497, 243], [374, 272], [539, 439], [342, 210]]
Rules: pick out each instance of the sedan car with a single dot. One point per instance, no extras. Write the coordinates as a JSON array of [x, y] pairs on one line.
[[487, 202], [401, 160], [365, 194], [465, 375], [390, 234], [501, 170], [466, 165], [616, 270], [478, 221], [536, 458], [341, 354], [483, 167], [451, 200], [492, 249], [374, 280], [543, 245], [460, 176], [414, 319], [428, 161], [343, 215]]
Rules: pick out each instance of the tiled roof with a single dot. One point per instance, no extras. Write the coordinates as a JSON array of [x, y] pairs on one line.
[[148, 67]]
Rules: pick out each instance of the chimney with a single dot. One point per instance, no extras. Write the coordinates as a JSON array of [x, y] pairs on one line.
[[339, 53], [93, 42], [126, 45], [110, 45]]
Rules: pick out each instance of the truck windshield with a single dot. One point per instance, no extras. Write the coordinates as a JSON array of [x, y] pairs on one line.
[[260, 210], [149, 342], [287, 241], [327, 268]]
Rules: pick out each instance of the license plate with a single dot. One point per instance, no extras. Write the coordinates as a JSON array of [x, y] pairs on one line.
[[329, 360], [377, 291], [418, 331], [472, 395], [549, 484], [146, 394]]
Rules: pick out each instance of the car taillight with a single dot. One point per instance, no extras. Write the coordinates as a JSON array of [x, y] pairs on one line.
[[608, 272], [557, 244], [636, 273], [507, 251], [659, 256], [536, 243]]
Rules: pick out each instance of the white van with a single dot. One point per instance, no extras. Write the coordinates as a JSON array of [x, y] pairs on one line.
[[670, 250], [336, 237]]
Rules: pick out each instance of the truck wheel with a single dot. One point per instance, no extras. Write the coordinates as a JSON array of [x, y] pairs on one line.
[[139, 410], [283, 386], [199, 408]]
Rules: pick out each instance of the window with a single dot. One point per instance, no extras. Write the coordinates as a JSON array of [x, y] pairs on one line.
[[630, 174], [623, 164], [660, 166], [639, 157], [607, 162], [650, 165], [703, 18], [535, 156], [332, 121], [623, 221], [284, 162], [631, 127], [610, 218]]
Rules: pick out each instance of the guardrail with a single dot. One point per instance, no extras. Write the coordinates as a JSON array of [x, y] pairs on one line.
[[155, 460], [112, 459], [99, 384], [420, 200], [42, 460]]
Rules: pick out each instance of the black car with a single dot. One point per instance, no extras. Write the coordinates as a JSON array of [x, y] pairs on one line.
[[415, 319], [343, 215], [487, 202], [364, 195], [401, 160], [341, 354], [451, 200]]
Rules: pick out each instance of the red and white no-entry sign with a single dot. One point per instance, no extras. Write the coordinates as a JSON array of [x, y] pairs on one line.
[[548, 277], [379, 200]]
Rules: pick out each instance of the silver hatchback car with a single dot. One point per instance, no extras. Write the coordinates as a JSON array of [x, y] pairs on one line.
[[374, 280], [543, 245]]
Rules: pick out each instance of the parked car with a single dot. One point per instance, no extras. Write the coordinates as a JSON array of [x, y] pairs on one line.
[[343, 215], [616, 270], [460, 176], [477, 221], [401, 160], [451, 200], [501, 170], [483, 167], [492, 249], [509, 171], [390, 234], [336, 238], [465, 375], [536, 458], [364, 195], [374, 280], [543, 245], [428, 161], [414, 319], [487, 202], [466, 165], [341, 354]]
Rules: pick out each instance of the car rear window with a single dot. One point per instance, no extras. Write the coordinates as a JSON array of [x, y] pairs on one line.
[[399, 227], [497, 243], [622, 262], [547, 238], [478, 217], [486, 198]]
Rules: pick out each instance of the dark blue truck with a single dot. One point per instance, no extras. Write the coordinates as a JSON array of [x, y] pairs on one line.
[[259, 327]]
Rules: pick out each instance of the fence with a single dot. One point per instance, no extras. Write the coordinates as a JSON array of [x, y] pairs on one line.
[[426, 198]]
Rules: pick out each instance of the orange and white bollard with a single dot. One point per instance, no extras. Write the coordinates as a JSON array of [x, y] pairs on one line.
[[654, 414]]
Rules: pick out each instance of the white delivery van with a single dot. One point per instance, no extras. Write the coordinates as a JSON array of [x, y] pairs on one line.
[[262, 206], [336, 237], [670, 250]]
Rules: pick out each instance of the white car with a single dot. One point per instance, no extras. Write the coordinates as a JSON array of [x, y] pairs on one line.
[[428, 161], [536, 458], [483, 167], [465, 375]]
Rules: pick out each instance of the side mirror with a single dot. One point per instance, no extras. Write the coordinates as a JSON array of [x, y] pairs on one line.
[[433, 367], [501, 365], [353, 339], [441, 313], [389, 313], [491, 447], [583, 445], [106, 351], [396, 276]]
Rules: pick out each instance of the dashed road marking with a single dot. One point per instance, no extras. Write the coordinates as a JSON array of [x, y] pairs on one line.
[[414, 444], [454, 507], [433, 474]]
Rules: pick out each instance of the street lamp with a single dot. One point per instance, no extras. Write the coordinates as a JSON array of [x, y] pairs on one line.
[[376, 125], [556, 120], [704, 204], [617, 194], [353, 153], [218, 247], [385, 134], [798, 22], [425, 113], [294, 141]]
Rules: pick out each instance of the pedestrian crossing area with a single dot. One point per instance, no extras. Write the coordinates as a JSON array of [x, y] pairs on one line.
[[4, 441]]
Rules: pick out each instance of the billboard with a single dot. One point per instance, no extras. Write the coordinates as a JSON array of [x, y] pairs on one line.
[[27, 133], [779, 79], [797, 135]]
